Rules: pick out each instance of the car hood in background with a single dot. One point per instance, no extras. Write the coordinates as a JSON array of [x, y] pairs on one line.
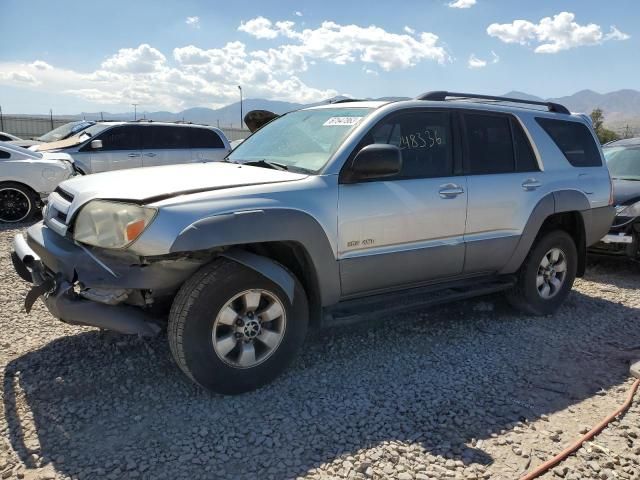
[[69, 142], [157, 183], [626, 192]]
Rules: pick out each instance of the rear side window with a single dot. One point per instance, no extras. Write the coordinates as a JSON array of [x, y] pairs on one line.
[[424, 139], [156, 137], [204, 138], [489, 144], [4, 138], [120, 138], [4, 154], [574, 140]]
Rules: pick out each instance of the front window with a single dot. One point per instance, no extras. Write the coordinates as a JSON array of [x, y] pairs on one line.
[[623, 162], [65, 131], [303, 140]]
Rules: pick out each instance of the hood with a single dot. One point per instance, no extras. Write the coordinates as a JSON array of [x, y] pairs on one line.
[[24, 143], [626, 192], [69, 142], [157, 183]]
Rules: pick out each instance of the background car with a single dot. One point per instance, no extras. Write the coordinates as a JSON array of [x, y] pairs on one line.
[[623, 160], [26, 178], [7, 137], [60, 133], [108, 146]]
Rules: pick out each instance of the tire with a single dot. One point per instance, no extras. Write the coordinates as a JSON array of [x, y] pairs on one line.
[[18, 203], [199, 328], [535, 280]]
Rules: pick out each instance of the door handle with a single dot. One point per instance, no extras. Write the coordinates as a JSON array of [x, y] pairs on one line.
[[132, 155], [151, 154], [450, 190], [531, 184]]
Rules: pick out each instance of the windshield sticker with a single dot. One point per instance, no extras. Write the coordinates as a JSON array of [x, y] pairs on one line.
[[342, 121]]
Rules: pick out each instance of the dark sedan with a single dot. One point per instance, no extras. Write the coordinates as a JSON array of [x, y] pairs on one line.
[[623, 160]]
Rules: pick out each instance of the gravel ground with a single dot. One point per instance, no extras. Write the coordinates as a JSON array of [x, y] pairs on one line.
[[471, 390]]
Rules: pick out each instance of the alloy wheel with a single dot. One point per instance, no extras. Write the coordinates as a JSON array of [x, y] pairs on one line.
[[15, 205], [551, 273]]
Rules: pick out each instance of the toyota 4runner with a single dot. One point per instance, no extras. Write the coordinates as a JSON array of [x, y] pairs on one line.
[[321, 216]]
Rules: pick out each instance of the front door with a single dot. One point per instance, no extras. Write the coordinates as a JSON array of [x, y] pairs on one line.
[[407, 229], [120, 149]]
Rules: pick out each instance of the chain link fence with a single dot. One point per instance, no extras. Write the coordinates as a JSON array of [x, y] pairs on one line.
[[31, 126]]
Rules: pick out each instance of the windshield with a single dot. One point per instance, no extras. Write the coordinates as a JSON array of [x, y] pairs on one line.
[[303, 140], [64, 131], [623, 162]]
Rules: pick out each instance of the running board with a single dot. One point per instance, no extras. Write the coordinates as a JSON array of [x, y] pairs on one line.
[[374, 307]]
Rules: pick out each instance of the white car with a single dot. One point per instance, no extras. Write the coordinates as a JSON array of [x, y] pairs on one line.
[[7, 137], [108, 146], [26, 178]]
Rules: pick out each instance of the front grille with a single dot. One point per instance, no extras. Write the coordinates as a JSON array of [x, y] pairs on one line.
[[66, 195]]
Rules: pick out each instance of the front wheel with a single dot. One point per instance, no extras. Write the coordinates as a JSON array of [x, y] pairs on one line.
[[17, 203], [547, 274], [232, 330]]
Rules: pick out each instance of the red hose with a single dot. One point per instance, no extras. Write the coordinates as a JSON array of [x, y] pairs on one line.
[[549, 464]]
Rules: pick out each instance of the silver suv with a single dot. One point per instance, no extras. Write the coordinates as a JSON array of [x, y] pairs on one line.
[[323, 216]]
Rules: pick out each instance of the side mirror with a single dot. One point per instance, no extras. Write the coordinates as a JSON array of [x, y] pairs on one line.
[[374, 161], [96, 144]]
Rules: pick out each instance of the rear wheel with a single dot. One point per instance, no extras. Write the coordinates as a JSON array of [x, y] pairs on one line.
[[17, 203], [547, 274], [232, 330]]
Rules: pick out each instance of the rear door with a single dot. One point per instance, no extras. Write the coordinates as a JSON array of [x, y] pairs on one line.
[[120, 149], [504, 182], [165, 145], [206, 145]]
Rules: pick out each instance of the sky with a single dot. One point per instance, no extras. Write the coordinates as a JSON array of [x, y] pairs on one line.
[[78, 56]]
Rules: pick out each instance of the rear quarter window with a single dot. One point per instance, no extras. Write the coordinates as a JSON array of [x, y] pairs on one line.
[[204, 138], [575, 141], [4, 154]]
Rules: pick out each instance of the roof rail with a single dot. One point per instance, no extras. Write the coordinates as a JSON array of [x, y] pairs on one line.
[[441, 96]]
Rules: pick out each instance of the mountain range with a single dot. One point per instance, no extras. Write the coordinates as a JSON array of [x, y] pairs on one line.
[[620, 107]]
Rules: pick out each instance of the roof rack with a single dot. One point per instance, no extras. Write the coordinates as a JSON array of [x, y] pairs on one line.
[[347, 100], [441, 96]]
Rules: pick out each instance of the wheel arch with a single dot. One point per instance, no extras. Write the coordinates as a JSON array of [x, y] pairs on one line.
[[568, 210], [291, 238]]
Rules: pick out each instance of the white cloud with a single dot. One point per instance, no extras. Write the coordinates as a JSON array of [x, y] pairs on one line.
[[615, 34], [409, 30], [298, 14], [144, 59], [18, 77], [41, 65], [342, 44], [462, 4], [193, 22], [553, 34], [190, 75], [475, 62]]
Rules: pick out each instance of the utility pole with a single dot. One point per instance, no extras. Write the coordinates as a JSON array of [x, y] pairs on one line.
[[241, 116], [1, 120], [135, 111]]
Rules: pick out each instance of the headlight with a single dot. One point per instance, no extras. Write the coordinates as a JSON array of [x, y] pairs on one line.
[[632, 210], [111, 224]]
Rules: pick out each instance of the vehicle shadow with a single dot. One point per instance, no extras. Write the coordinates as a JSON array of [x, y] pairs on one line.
[[621, 272], [439, 379]]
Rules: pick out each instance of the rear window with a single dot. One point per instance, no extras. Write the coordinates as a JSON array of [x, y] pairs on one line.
[[4, 154], [489, 143], [204, 138], [574, 140]]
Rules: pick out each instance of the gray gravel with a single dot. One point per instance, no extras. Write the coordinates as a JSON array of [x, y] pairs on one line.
[[471, 390]]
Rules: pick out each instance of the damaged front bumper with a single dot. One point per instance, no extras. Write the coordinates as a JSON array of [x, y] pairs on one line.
[[623, 240], [109, 290]]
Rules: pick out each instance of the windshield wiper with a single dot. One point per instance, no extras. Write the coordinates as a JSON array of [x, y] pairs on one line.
[[267, 164]]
